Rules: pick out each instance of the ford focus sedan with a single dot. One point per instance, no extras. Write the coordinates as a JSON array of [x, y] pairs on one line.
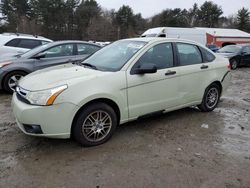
[[124, 81]]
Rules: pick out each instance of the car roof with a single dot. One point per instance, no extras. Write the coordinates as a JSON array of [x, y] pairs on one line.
[[20, 35], [72, 41]]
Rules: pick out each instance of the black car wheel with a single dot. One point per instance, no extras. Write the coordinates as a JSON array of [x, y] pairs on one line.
[[234, 64], [11, 80], [95, 125], [210, 99]]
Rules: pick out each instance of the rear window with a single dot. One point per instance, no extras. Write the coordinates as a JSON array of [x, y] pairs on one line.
[[207, 56], [13, 43]]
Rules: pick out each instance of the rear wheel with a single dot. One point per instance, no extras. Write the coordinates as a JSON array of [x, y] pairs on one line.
[[11, 80], [95, 125], [210, 99]]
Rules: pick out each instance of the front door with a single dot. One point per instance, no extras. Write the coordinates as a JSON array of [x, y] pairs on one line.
[[149, 93], [55, 56], [245, 57]]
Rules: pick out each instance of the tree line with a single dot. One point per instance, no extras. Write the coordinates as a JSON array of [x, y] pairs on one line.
[[87, 20]]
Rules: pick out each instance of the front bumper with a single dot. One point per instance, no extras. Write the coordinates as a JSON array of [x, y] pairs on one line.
[[55, 121], [1, 78]]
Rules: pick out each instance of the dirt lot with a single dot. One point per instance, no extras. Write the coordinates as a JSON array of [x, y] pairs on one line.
[[185, 148]]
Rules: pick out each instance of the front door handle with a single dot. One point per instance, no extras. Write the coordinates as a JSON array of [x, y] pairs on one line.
[[170, 73], [204, 67]]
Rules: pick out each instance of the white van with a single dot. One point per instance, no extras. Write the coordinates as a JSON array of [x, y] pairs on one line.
[[179, 33]]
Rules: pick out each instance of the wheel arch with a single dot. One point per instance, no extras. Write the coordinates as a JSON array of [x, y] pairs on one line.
[[219, 84], [107, 101], [11, 71]]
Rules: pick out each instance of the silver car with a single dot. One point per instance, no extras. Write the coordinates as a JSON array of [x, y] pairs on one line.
[[56, 53]]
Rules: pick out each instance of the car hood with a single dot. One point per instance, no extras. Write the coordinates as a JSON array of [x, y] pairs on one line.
[[227, 54], [57, 76]]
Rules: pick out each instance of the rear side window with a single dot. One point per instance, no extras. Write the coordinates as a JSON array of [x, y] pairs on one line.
[[86, 49], [188, 54], [13, 43], [29, 43], [207, 56], [24, 43]]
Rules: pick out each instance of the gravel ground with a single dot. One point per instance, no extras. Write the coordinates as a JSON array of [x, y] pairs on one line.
[[185, 148]]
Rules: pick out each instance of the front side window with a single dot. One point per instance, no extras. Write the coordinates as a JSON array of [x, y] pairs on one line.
[[246, 50], [161, 55], [59, 51], [188, 54], [86, 49], [114, 56]]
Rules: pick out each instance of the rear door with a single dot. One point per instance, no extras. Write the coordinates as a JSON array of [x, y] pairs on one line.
[[60, 54], [194, 71], [149, 93]]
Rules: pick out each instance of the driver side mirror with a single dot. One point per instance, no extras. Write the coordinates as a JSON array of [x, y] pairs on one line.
[[40, 55], [148, 68]]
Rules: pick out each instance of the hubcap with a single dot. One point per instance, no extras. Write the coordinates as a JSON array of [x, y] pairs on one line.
[[13, 81], [234, 64], [97, 126], [212, 97]]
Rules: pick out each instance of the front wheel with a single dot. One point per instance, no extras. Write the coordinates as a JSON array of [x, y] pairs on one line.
[[11, 80], [95, 125], [234, 64], [210, 99]]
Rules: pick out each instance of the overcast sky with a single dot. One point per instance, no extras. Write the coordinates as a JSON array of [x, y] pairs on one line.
[[149, 8]]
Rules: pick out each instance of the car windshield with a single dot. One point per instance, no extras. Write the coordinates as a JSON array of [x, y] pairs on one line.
[[34, 51], [230, 49], [114, 56]]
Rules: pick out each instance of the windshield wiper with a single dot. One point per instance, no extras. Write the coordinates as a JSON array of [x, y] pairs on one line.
[[86, 65]]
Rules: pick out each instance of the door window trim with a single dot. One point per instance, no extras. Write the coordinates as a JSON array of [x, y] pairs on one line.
[[178, 55], [174, 57]]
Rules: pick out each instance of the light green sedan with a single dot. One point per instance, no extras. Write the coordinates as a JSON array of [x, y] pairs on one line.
[[126, 80]]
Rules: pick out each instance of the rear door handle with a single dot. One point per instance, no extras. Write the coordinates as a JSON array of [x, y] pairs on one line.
[[204, 67], [170, 73]]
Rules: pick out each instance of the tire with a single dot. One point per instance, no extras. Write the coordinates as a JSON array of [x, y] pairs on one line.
[[94, 125], [234, 64], [211, 98], [10, 81]]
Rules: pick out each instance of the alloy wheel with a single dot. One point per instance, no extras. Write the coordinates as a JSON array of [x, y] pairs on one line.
[[97, 126]]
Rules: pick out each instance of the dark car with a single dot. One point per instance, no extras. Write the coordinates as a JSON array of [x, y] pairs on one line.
[[213, 47], [55, 53], [238, 55]]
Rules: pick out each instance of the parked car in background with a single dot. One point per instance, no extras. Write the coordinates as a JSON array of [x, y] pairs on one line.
[[238, 55], [123, 81], [55, 53], [213, 47], [16, 43]]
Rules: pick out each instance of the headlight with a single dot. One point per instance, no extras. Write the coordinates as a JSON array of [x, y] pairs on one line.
[[4, 64], [45, 97]]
